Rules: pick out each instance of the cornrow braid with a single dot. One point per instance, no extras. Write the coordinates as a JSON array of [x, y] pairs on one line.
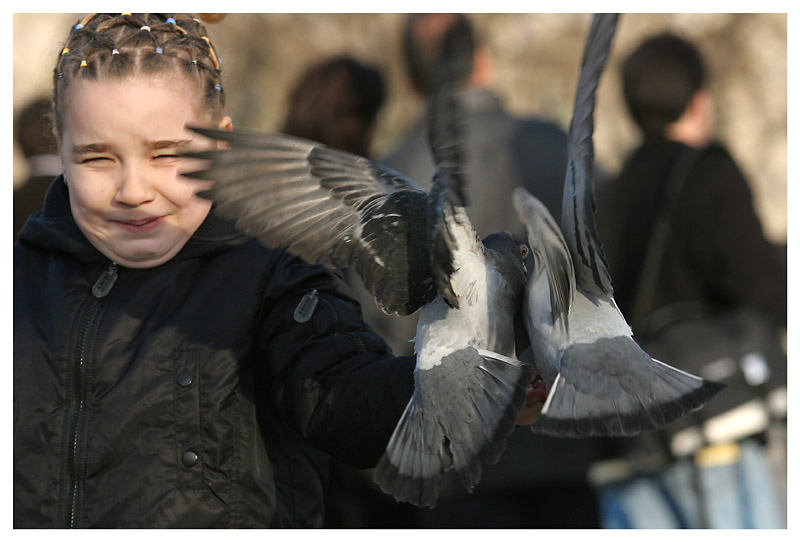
[[111, 46]]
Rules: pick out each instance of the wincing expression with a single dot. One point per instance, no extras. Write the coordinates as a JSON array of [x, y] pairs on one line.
[[120, 148]]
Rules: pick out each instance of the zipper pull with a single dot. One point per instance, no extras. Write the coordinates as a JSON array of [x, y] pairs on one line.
[[105, 282], [305, 309]]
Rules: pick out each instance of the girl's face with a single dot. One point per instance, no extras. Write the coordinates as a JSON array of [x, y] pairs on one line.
[[120, 146]]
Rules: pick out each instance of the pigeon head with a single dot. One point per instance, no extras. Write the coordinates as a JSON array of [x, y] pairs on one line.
[[510, 252]]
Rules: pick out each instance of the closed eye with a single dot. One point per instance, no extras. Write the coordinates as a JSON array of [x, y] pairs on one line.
[[167, 158], [94, 159]]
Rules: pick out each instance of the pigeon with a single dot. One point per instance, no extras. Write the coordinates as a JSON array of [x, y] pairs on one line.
[[599, 381], [414, 250]]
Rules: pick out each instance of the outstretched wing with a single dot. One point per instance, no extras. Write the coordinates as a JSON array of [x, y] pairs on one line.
[[578, 207], [457, 251], [327, 206]]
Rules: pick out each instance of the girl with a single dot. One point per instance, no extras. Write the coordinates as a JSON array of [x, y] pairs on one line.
[[168, 370]]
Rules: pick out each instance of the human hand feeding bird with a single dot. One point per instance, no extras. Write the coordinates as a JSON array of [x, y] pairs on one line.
[[413, 250], [599, 381]]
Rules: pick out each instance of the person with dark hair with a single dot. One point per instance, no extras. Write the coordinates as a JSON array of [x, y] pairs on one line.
[[703, 290], [502, 151], [717, 254], [336, 102], [33, 130]]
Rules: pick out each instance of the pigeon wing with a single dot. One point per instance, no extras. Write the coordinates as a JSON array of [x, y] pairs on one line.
[[327, 206], [578, 207], [457, 251]]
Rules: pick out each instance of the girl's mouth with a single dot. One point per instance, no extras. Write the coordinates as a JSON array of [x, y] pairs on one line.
[[143, 225]]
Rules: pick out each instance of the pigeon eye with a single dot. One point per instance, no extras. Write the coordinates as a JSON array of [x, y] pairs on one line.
[[523, 250]]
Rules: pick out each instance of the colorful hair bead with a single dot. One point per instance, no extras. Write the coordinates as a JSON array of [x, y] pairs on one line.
[[159, 50], [171, 20], [145, 27], [123, 14], [115, 52], [65, 51], [217, 87], [78, 26], [84, 63]]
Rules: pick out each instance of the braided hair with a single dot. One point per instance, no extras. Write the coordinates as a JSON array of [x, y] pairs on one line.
[[111, 46]]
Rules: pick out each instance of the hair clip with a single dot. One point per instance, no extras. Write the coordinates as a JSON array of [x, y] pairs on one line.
[[115, 52], [84, 63], [65, 51], [171, 20]]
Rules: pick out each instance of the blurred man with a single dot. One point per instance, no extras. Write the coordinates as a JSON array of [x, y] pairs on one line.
[[717, 254], [708, 297]]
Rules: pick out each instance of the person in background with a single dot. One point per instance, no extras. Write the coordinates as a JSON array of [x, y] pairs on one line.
[[716, 287], [336, 102], [33, 130], [718, 254]]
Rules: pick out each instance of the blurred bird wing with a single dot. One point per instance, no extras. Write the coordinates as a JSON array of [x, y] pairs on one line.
[[549, 246], [578, 207], [458, 258], [326, 206]]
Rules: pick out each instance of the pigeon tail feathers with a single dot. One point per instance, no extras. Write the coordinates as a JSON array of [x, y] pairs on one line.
[[613, 388], [459, 424]]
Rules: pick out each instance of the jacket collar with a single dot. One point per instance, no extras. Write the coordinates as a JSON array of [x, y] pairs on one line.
[[54, 228]]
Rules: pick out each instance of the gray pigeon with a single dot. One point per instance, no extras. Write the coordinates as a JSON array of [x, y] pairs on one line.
[[412, 249], [599, 382]]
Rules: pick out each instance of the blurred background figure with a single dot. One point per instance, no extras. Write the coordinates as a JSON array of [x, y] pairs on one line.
[[704, 291], [33, 130], [501, 150], [336, 102]]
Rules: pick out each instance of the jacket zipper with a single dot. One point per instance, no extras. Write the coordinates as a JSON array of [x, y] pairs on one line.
[[100, 289]]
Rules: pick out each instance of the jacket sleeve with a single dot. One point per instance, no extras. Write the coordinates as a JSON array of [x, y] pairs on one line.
[[332, 376]]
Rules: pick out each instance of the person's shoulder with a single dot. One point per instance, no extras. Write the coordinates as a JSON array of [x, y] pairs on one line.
[[540, 128], [715, 164]]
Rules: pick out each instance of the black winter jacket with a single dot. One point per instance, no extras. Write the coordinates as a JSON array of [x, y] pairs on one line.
[[189, 395]]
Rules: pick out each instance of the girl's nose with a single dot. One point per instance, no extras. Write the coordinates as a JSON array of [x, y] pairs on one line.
[[135, 187]]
